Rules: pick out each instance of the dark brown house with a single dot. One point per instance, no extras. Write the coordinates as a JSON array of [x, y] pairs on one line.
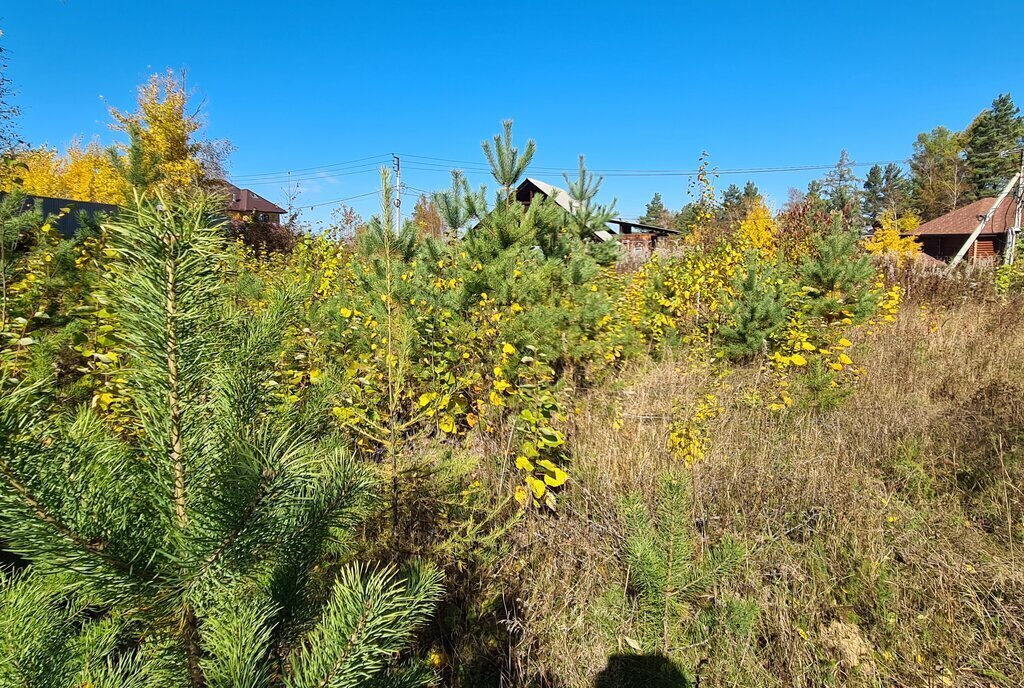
[[943, 237]]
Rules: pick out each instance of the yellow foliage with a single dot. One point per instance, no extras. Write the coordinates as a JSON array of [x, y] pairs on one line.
[[84, 173], [166, 131], [890, 239], [759, 229]]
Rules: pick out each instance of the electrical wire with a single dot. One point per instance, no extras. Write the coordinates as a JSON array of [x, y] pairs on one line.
[[296, 179], [340, 200], [285, 173]]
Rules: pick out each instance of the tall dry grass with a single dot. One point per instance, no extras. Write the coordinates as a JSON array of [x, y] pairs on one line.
[[884, 537]]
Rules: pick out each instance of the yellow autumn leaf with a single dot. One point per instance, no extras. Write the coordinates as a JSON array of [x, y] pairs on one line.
[[446, 424], [521, 495], [546, 464], [346, 312], [797, 359], [536, 486], [845, 342], [523, 463], [807, 346], [508, 349], [845, 360], [557, 479]]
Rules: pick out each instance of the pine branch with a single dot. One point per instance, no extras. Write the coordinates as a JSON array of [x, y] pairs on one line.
[[368, 618]]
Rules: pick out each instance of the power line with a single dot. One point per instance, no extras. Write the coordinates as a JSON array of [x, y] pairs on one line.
[[341, 200], [285, 173], [436, 164], [432, 163], [424, 165], [299, 178]]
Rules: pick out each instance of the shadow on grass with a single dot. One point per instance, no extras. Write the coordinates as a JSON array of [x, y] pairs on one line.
[[641, 671]]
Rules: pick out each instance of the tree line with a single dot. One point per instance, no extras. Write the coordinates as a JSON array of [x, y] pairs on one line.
[[946, 170]]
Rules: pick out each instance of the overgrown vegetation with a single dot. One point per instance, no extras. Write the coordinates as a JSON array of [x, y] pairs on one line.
[[483, 452]]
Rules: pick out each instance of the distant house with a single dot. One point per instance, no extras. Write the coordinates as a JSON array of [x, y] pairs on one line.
[[245, 205], [68, 216], [531, 187], [943, 237], [641, 237], [634, 236]]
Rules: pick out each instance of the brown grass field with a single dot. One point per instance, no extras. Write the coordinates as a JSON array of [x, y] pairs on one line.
[[882, 531]]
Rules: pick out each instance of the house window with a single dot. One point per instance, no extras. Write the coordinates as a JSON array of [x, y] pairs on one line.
[[264, 217]]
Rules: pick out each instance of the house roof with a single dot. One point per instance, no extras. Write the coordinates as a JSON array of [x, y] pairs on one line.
[[559, 196], [655, 229], [247, 201], [965, 220]]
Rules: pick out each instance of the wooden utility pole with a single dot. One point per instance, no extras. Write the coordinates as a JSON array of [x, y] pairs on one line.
[[981, 225], [1010, 253]]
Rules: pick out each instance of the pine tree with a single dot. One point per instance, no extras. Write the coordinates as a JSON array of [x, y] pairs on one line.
[[993, 139], [507, 164], [873, 201], [732, 204], [839, 276], [656, 213], [139, 164], [751, 194], [685, 218], [587, 217], [672, 580], [758, 314], [895, 190], [189, 548], [459, 205]]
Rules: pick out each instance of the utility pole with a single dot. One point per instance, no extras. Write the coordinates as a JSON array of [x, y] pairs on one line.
[[981, 225], [1011, 235], [397, 164]]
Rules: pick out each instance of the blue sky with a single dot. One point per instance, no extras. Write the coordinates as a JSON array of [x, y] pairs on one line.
[[633, 86]]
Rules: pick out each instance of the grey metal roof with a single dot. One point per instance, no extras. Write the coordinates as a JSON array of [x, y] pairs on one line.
[[558, 195]]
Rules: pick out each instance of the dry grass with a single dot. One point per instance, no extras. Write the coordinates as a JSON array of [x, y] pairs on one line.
[[884, 537]]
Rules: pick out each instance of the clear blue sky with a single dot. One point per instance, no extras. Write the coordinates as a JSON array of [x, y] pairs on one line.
[[638, 85]]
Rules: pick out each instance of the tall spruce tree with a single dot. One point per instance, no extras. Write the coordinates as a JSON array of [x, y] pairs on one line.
[[993, 140], [187, 546], [841, 190]]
